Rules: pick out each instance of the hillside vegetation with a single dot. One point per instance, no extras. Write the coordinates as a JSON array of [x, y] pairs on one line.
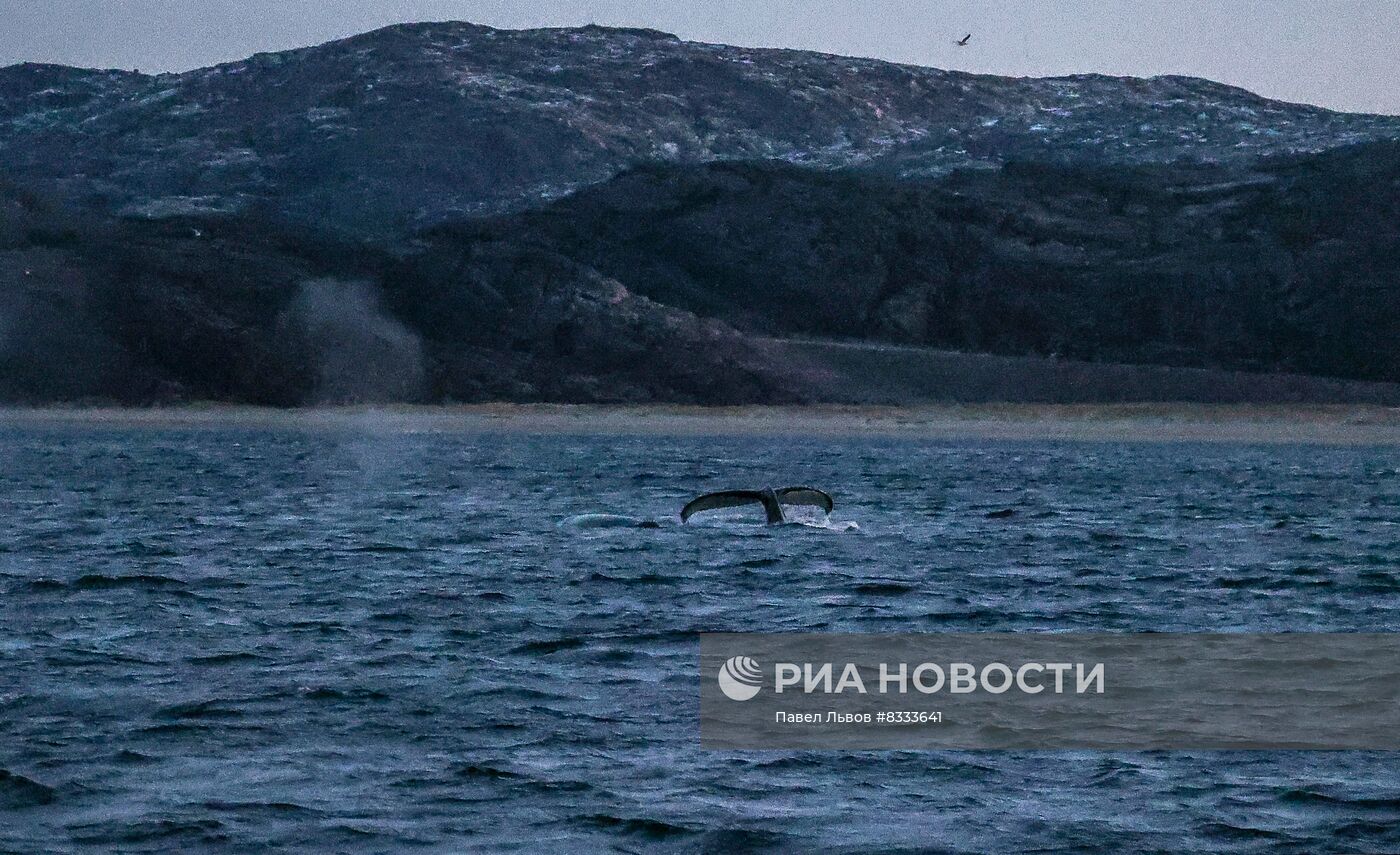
[[448, 212], [1290, 265], [405, 127], [667, 282]]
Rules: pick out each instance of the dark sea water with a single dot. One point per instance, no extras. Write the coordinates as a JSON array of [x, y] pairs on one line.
[[362, 641]]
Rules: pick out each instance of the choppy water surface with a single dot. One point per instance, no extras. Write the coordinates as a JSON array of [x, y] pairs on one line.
[[376, 642]]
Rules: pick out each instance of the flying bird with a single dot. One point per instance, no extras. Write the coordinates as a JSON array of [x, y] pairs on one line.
[[963, 42]]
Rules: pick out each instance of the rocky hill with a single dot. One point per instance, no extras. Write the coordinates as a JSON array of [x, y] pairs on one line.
[[238, 309], [449, 212], [1289, 264], [408, 126], [688, 283]]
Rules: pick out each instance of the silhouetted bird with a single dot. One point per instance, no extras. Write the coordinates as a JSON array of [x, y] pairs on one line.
[[965, 39]]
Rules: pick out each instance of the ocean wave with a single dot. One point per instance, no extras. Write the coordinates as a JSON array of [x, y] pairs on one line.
[[18, 791]]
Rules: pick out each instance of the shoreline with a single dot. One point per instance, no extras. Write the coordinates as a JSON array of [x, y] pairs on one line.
[[1300, 423]]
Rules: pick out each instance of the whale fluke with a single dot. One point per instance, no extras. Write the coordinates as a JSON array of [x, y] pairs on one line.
[[771, 500], [722, 499]]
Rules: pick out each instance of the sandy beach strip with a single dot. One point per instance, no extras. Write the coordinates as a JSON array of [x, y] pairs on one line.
[[1341, 424]]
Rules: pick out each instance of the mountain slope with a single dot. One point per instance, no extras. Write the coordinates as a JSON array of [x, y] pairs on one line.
[[669, 283], [1290, 264], [236, 309], [403, 127]]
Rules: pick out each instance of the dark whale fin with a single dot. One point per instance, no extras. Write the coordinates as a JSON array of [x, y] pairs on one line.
[[805, 496], [722, 499], [771, 500]]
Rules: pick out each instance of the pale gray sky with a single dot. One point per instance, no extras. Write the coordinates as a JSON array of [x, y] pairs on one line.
[[1337, 53]]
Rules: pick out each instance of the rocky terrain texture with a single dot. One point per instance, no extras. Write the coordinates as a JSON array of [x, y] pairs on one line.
[[1287, 264], [687, 283], [407, 126], [454, 213], [234, 309]]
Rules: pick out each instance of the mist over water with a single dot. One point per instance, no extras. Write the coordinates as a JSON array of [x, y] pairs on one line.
[[362, 355], [376, 640]]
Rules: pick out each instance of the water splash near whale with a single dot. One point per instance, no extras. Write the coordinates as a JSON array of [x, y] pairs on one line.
[[606, 521]]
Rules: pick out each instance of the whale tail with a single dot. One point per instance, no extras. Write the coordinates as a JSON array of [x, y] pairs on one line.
[[771, 500]]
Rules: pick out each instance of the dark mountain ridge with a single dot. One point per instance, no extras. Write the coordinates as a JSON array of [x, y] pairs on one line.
[[668, 282], [238, 309], [449, 212], [411, 125], [1288, 264]]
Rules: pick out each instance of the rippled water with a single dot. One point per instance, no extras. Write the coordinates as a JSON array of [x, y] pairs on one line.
[[362, 641]]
